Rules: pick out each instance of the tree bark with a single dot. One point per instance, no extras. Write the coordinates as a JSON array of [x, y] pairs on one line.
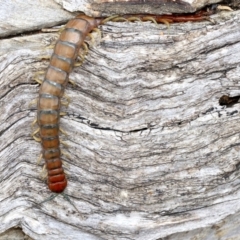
[[151, 154]]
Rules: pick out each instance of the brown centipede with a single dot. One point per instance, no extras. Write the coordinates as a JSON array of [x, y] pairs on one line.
[[56, 77], [52, 89]]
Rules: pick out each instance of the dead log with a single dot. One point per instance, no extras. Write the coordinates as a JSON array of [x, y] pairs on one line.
[[151, 154]]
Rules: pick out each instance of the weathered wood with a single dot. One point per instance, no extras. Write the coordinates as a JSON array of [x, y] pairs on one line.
[[17, 16], [151, 153], [111, 7], [14, 233]]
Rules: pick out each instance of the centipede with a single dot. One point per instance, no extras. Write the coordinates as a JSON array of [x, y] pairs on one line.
[[65, 54]]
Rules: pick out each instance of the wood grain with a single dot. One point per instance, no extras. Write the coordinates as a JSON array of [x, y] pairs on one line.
[[151, 153], [98, 8], [17, 16]]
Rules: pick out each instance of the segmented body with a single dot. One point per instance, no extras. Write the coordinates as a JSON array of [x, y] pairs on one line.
[[52, 89], [56, 77]]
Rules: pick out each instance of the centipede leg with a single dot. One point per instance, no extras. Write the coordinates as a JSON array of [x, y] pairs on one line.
[[36, 75], [80, 61], [77, 64], [65, 154], [96, 30], [72, 82], [132, 19], [109, 19], [89, 35], [119, 19], [64, 143], [65, 102], [50, 30], [39, 159], [44, 172], [50, 46], [37, 139], [33, 102], [34, 122], [46, 56], [63, 132], [165, 21], [66, 166], [85, 47], [82, 55], [148, 18], [62, 114]]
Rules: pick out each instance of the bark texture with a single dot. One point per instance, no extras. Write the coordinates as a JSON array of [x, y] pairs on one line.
[[151, 154], [113, 7]]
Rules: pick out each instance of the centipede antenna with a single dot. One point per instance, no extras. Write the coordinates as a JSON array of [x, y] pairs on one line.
[[48, 199], [65, 196]]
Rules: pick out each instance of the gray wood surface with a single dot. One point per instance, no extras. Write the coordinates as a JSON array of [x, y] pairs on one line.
[[17, 16], [150, 154], [112, 7]]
